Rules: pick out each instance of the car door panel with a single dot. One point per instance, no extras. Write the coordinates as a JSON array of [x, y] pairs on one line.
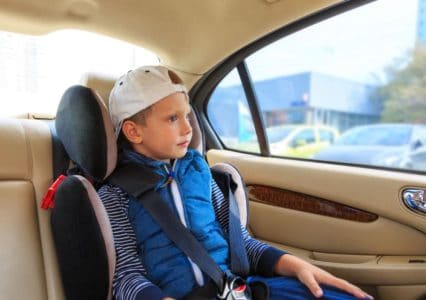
[[327, 234], [387, 250]]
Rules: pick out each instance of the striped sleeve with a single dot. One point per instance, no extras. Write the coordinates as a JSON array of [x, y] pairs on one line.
[[262, 257], [129, 279]]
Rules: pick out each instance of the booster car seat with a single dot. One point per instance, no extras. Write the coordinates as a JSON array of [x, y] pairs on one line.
[[80, 225]]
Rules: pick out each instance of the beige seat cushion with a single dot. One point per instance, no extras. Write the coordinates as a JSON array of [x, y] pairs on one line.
[[28, 260]]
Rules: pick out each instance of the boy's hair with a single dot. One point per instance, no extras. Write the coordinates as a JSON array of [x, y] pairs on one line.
[[140, 89], [138, 118]]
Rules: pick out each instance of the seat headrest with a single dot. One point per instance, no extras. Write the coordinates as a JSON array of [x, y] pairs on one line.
[[100, 83], [240, 192], [85, 129]]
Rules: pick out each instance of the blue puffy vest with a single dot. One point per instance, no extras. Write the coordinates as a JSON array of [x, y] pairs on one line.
[[166, 265]]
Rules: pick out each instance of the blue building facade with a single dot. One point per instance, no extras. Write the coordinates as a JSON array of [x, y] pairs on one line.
[[304, 98]]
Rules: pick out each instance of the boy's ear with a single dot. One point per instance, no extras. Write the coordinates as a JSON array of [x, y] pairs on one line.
[[132, 132]]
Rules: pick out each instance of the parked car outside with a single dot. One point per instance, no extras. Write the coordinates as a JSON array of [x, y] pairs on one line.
[[299, 140], [388, 145]]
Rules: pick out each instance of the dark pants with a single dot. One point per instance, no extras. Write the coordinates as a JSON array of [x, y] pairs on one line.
[[280, 288], [290, 288]]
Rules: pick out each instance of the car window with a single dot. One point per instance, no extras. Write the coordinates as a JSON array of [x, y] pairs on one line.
[[326, 135], [276, 134], [36, 70], [362, 67], [306, 136], [387, 135], [419, 136], [230, 116]]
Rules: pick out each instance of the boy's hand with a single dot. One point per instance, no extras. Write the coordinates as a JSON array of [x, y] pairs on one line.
[[312, 276]]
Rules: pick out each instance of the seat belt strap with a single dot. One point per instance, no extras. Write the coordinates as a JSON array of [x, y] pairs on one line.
[[239, 260], [181, 236], [61, 160]]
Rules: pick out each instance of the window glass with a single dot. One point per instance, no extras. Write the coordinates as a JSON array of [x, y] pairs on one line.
[[230, 116], [278, 133], [359, 75], [420, 136], [326, 135], [36, 70], [378, 135], [306, 136]]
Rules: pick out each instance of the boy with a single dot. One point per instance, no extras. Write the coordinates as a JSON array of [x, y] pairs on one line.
[[149, 108]]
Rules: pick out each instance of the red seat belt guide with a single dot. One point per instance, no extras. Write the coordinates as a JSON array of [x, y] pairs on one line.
[[47, 201]]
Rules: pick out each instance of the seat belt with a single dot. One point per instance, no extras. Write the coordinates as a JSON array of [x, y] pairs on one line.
[[126, 177], [239, 261], [60, 157], [181, 236]]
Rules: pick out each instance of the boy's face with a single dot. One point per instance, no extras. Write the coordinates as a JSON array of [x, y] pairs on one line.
[[167, 131]]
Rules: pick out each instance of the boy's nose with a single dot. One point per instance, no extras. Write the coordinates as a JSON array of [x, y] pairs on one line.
[[186, 126]]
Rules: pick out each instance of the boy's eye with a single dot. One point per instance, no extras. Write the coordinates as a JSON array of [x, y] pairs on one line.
[[173, 118]]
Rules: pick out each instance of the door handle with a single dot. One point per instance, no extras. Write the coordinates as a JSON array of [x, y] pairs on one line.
[[415, 199]]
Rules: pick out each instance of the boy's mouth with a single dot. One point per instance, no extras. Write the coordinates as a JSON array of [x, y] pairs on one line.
[[184, 144]]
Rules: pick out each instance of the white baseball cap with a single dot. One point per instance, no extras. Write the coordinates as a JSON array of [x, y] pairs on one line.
[[139, 89]]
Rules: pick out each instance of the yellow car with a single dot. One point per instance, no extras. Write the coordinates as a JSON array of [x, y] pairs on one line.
[[299, 140]]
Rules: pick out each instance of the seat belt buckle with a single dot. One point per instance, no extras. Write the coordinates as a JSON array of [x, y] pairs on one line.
[[234, 288]]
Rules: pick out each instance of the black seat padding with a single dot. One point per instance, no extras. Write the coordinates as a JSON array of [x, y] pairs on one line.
[[84, 128], [80, 225]]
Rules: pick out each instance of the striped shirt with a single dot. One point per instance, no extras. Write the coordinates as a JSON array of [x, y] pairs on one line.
[[130, 280]]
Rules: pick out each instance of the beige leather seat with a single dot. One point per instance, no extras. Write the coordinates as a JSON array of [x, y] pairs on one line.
[[28, 260]]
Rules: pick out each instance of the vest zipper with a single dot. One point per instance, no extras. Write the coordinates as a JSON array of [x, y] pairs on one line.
[[177, 199]]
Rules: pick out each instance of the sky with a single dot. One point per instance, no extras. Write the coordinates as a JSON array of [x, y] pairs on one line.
[[357, 45]]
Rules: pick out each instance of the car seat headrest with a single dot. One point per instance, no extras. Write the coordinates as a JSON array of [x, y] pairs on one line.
[[197, 142], [85, 129], [102, 84], [240, 192]]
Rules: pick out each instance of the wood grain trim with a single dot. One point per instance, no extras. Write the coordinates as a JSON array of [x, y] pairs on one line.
[[301, 202]]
